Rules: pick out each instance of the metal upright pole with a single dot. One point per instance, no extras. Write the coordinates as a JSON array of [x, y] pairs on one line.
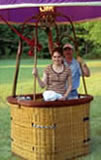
[[35, 61], [19, 51], [35, 64]]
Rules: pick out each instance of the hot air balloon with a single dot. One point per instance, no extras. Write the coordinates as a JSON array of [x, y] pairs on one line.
[[48, 130]]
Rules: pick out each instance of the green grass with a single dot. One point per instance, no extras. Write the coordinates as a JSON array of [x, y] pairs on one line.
[[25, 85]]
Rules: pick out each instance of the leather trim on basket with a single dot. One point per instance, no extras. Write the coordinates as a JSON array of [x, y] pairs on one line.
[[41, 103]]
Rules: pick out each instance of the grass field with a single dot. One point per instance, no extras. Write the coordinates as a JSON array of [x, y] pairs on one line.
[[25, 85]]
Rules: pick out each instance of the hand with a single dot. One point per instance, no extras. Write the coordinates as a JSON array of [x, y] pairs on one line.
[[35, 72], [80, 60], [63, 98]]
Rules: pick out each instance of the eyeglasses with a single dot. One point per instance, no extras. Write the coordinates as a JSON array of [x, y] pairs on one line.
[[67, 48]]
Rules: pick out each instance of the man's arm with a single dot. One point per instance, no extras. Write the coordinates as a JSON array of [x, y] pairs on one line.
[[85, 69]]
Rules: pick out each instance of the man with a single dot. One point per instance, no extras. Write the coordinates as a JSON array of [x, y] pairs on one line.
[[75, 68]]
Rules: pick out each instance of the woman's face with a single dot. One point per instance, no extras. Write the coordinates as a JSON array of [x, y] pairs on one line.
[[57, 58]]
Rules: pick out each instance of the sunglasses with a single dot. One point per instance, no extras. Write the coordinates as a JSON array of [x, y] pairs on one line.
[[67, 48]]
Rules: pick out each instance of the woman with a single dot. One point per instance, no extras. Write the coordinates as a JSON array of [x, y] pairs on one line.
[[55, 77]]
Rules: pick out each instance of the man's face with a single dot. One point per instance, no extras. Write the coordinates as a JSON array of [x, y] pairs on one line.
[[68, 53]]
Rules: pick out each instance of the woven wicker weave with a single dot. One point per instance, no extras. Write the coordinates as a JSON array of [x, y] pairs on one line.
[[50, 133]]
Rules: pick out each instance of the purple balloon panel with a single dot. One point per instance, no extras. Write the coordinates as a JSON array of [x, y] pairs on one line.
[[5, 2]]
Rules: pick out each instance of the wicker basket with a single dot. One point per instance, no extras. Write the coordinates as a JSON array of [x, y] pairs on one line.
[[50, 130]]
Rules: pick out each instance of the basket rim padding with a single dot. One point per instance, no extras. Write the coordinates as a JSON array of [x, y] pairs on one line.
[[32, 103]]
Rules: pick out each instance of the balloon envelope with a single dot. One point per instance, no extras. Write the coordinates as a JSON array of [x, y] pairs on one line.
[[19, 10]]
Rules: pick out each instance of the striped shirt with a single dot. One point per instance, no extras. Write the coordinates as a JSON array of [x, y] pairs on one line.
[[57, 81]]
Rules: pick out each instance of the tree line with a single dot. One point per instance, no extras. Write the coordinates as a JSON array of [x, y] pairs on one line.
[[88, 36]]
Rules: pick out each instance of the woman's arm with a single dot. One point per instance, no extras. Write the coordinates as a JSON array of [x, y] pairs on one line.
[[68, 89], [42, 82]]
